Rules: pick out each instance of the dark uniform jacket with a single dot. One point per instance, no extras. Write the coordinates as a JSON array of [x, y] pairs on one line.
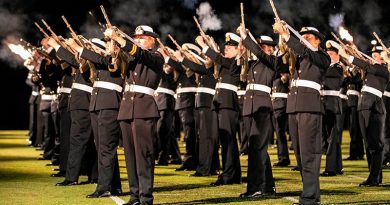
[[103, 98], [333, 80], [145, 70], [311, 65], [183, 100], [377, 76], [78, 99], [280, 87], [166, 101], [354, 82], [261, 72], [34, 89], [66, 82], [229, 73], [207, 80]]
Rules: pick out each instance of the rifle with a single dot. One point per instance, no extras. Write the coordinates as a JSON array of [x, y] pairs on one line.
[[188, 55], [381, 42], [28, 46], [41, 29], [58, 39], [212, 44], [91, 66], [243, 56], [288, 55], [169, 52]]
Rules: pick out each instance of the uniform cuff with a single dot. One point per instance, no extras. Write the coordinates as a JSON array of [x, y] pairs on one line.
[[57, 47], [350, 59], [204, 50], [166, 59]]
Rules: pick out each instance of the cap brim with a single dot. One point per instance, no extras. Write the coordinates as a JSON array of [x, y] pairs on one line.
[[146, 33]]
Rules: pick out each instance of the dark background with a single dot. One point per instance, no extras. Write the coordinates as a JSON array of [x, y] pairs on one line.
[[17, 17]]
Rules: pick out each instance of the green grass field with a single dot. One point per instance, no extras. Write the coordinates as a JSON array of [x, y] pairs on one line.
[[25, 180]]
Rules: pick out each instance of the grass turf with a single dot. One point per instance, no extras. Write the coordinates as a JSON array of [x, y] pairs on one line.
[[25, 180]]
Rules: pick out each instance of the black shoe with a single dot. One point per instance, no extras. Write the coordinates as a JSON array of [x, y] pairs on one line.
[[116, 192], [281, 164], [219, 182], [368, 184], [351, 158], [42, 158], [197, 174], [99, 194], [270, 192], [162, 163], [296, 168], [341, 172], [257, 194], [133, 202], [182, 168], [328, 174], [55, 169], [66, 183], [92, 181], [175, 161], [58, 174]]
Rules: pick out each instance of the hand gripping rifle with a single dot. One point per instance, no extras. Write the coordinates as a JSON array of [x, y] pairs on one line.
[[212, 44]]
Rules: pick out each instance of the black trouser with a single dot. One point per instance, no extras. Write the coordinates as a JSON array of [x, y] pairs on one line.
[[165, 133], [106, 131], [227, 124], [259, 164], [281, 118], [139, 137], [40, 127], [356, 148], [65, 122], [187, 120], [207, 142], [243, 133], [330, 129], [48, 135], [81, 139], [305, 132], [33, 124], [372, 127], [55, 159], [386, 140]]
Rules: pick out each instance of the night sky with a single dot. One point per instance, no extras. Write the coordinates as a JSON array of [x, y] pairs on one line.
[[165, 16]]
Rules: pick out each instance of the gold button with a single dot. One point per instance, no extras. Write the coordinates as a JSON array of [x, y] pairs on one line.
[[251, 96], [295, 93], [124, 99], [132, 98], [135, 73]]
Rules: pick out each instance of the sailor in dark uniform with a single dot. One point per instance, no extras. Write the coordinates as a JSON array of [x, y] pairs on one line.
[[225, 104], [305, 108], [104, 107], [386, 101], [372, 112], [31, 65], [81, 146], [332, 82], [258, 108], [138, 113]]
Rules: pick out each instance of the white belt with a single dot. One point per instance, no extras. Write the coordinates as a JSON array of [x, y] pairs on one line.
[[205, 90], [227, 86], [139, 89], [107, 85], [241, 92], [279, 95], [165, 90], [353, 92], [259, 87], [372, 90], [335, 93], [47, 97], [82, 87], [186, 90], [387, 94], [342, 96], [64, 90], [34, 93], [306, 83]]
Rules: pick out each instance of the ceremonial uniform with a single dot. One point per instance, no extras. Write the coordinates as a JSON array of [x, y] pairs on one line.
[[81, 144], [207, 129], [138, 115], [33, 110], [225, 105], [305, 115], [104, 106], [332, 82], [372, 116], [258, 108]]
